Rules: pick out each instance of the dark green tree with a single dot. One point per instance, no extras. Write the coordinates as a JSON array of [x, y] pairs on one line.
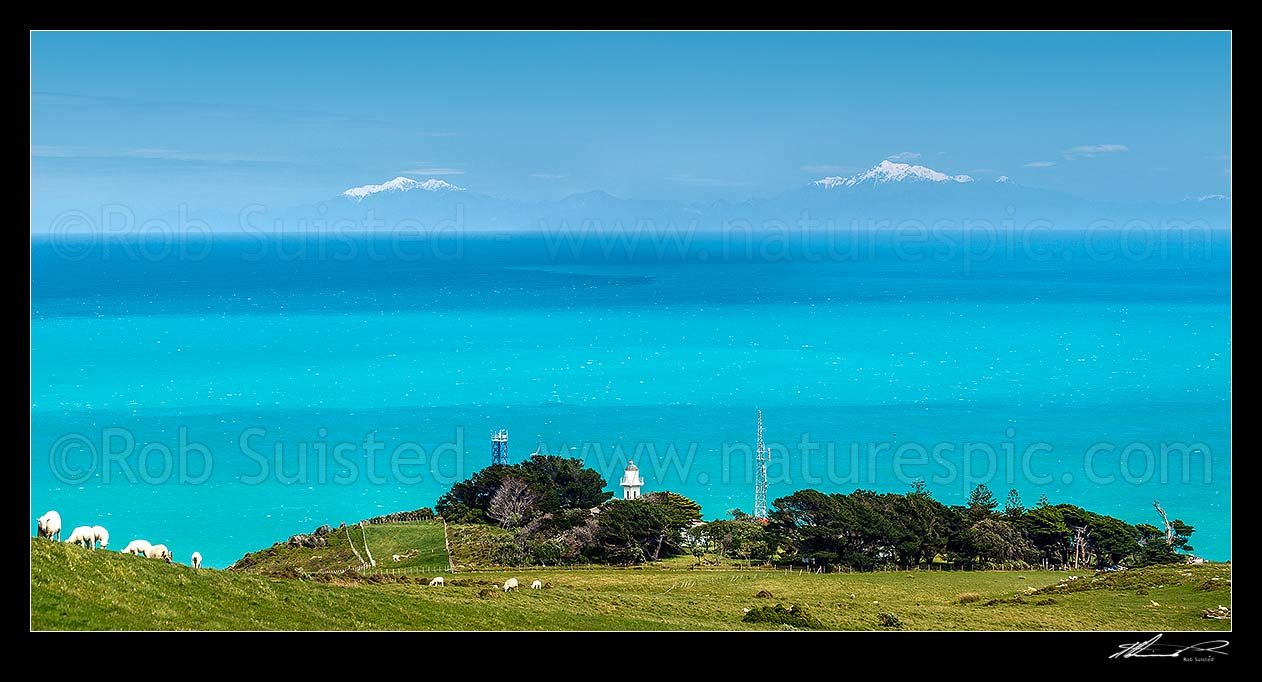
[[998, 540], [646, 529], [722, 536], [559, 484], [981, 503], [809, 524], [683, 511], [633, 531], [469, 499], [749, 539], [1112, 540], [1046, 528], [1176, 532], [563, 483], [455, 511], [1108, 540], [923, 527], [1012, 508], [1182, 534], [1153, 547]]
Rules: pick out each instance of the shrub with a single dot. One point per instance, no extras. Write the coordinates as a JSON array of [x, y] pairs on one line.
[[968, 597], [545, 551], [888, 620], [797, 616], [1045, 602]]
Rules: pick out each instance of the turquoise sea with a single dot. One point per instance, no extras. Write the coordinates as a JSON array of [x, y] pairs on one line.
[[222, 394]]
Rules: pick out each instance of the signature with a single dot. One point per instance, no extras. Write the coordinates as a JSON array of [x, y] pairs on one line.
[[1154, 649]]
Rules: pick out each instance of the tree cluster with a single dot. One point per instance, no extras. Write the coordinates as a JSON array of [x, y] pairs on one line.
[[864, 529], [558, 511]]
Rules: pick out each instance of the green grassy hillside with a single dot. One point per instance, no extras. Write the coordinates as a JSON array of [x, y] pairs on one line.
[[419, 544], [74, 588]]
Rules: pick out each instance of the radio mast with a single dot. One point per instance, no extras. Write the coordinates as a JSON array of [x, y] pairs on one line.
[[761, 455]]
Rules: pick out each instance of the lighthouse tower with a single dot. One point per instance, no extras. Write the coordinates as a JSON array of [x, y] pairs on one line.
[[631, 482]]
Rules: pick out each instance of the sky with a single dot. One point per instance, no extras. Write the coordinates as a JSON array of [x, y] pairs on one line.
[[155, 121]]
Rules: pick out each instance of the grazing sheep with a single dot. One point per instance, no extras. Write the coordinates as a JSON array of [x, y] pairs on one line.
[[394, 557], [510, 584], [137, 547], [196, 561], [83, 536], [159, 552], [437, 582], [50, 525], [101, 536], [536, 585]]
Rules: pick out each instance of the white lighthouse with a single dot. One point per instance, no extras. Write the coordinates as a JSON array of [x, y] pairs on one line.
[[631, 482]]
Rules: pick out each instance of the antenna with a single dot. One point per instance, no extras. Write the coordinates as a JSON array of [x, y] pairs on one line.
[[499, 447], [761, 455]]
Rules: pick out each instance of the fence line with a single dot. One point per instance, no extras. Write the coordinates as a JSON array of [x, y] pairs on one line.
[[402, 570], [371, 561], [351, 542], [451, 563]]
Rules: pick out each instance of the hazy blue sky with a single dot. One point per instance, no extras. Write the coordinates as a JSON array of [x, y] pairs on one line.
[[220, 119]]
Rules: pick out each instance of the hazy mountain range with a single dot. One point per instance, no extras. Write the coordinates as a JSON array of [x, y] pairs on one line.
[[884, 196]]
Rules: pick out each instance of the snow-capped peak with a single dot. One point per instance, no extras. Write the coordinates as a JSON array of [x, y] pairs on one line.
[[400, 184], [887, 172]]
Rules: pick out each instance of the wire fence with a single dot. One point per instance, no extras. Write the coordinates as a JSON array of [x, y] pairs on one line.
[[451, 563], [402, 570]]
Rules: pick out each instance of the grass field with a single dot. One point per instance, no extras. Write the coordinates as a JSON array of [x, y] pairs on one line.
[[74, 588], [419, 545]]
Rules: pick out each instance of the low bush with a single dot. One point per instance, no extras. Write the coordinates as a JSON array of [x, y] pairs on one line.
[[797, 616]]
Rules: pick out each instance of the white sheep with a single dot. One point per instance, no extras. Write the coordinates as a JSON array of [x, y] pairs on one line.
[[394, 558], [536, 585], [437, 582], [510, 584], [137, 547], [159, 552], [83, 536], [50, 525], [196, 561], [101, 536]]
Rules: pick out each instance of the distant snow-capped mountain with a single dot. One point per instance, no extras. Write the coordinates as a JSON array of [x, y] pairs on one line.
[[888, 172], [888, 194], [400, 184]]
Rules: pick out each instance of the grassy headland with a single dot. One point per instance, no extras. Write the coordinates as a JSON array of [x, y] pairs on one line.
[[74, 588]]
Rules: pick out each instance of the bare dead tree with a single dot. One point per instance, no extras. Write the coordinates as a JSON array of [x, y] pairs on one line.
[[1081, 533], [1166, 521], [512, 503]]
